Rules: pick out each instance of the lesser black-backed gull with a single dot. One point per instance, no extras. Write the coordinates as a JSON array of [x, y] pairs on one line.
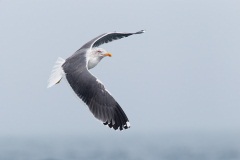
[[76, 69]]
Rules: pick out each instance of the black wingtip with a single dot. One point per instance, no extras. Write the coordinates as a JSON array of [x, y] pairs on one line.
[[140, 32], [118, 127]]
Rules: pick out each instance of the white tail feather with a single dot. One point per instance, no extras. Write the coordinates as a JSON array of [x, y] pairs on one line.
[[57, 73]]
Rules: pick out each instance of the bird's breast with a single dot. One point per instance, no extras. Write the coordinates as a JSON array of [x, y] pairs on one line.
[[93, 62]]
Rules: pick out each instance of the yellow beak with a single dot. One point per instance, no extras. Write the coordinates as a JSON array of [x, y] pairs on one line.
[[108, 54]]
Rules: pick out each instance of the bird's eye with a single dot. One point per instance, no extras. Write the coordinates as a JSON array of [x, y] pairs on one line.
[[99, 51]]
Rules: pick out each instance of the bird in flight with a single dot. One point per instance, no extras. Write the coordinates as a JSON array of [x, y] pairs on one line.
[[87, 87]]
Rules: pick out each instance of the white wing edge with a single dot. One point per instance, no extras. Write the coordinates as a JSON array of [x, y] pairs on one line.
[[57, 73], [128, 124]]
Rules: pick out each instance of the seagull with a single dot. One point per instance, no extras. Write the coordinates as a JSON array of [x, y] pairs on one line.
[[87, 87]]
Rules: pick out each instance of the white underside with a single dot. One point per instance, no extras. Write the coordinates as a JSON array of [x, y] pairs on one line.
[[57, 73]]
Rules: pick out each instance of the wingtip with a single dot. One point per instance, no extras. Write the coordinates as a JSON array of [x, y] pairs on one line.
[[127, 125], [140, 32], [117, 128]]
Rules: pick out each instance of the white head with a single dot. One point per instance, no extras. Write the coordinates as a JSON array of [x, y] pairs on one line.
[[95, 55]]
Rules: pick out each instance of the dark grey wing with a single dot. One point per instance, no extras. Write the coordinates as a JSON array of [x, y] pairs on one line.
[[108, 37], [98, 99]]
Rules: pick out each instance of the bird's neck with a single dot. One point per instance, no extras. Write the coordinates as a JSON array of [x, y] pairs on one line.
[[93, 61]]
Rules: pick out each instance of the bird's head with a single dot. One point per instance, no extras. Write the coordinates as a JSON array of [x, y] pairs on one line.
[[95, 56], [101, 53]]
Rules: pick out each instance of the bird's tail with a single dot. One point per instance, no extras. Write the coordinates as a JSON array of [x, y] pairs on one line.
[[57, 73]]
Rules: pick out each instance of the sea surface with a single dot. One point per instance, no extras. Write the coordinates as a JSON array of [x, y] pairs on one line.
[[135, 147]]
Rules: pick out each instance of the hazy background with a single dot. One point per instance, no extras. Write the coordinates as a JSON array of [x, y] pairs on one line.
[[181, 76]]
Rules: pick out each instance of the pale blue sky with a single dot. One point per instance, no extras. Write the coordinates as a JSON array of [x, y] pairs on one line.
[[182, 75]]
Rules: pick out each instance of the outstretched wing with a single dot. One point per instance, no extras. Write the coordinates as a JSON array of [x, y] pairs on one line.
[[93, 93], [108, 37]]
